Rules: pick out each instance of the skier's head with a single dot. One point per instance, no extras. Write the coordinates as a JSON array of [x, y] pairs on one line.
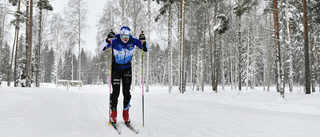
[[125, 34]]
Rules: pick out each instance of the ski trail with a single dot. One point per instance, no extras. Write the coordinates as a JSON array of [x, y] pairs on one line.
[[102, 108], [175, 120]]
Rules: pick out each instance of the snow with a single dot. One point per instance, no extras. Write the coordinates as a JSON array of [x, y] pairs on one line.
[[52, 111]]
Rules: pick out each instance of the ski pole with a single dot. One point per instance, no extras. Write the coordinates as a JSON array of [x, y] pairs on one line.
[[110, 79], [142, 39], [110, 84], [142, 93]]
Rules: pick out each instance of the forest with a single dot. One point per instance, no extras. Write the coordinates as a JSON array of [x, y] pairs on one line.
[[239, 44]]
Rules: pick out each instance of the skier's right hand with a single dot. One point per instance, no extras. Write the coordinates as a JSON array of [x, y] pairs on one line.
[[111, 35]]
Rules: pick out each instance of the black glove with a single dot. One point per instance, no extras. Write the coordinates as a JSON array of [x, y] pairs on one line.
[[142, 37], [111, 35]]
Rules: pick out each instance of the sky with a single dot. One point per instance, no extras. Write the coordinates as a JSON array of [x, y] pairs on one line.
[[95, 11]]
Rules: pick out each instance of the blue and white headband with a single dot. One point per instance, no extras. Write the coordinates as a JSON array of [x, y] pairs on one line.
[[125, 30]]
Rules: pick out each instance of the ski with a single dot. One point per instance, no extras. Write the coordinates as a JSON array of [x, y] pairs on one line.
[[131, 128], [116, 128]]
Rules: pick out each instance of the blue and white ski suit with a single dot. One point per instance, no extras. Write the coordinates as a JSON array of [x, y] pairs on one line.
[[121, 67], [122, 52]]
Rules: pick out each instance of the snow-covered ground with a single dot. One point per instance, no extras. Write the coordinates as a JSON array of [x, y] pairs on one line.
[[52, 111]]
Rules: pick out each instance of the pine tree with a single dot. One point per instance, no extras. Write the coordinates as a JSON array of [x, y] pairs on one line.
[[16, 23], [29, 53], [42, 5]]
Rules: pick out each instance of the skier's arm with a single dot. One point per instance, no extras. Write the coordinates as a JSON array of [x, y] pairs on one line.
[[108, 42], [104, 45], [145, 47]]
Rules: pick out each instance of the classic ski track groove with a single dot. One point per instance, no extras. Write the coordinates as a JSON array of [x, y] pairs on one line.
[[178, 119], [103, 111]]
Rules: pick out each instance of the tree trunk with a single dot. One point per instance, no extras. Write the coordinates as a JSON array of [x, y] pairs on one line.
[[270, 57], [16, 54], [211, 50], [2, 35], [79, 43], [231, 77], [240, 56], [202, 72], [277, 45], [149, 32], [10, 68], [28, 74], [306, 48], [39, 50], [170, 45], [216, 54], [27, 43], [15, 59], [312, 61], [248, 60], [15, 44], [183, 50], [181, 46], [290, 77]]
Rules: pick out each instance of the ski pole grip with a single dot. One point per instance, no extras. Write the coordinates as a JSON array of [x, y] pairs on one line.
[[142, 38], [111, 35]]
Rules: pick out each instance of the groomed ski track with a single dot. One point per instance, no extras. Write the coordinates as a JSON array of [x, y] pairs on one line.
[[55, 112]]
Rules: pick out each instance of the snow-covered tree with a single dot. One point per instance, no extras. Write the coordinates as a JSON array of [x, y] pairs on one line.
[[76, 17], [42, 5], [5, 61], [240, 8]]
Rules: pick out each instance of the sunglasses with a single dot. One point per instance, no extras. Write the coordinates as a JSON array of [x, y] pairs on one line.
[[125, 36]]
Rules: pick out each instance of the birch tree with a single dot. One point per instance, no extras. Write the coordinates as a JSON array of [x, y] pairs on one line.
[[288, 19], [167, 7], [77, 16], [2, 30], [16, 23], [57, 28], [241, 7], [148, 39]]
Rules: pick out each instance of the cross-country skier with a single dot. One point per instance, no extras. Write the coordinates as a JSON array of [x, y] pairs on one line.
[[122, 46]]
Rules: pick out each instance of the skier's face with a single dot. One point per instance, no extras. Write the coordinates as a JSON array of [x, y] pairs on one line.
[[125, 38]]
